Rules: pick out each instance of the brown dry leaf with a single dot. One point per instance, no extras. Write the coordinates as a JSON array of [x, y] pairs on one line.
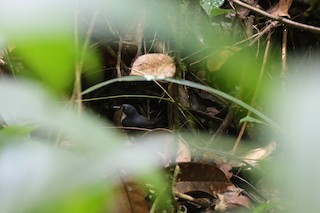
[[218, 59], [154, 64], [231, 199], [130, 198], [260, 153], [243, 12], [225, 168], [281, 9], [183, 153], [201, 177], [253, 156]]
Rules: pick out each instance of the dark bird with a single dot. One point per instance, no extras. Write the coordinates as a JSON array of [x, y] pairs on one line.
[[131, 117]]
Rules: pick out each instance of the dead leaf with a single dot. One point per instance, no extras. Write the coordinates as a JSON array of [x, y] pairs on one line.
[[260, 153], [201, 177], [183, 153], [225, 168], [253, 156], [243, 12], [130, 198], [232, 198], [281, 9], [154, 64]]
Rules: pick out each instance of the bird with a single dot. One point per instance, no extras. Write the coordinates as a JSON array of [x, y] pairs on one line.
[[131, 117]]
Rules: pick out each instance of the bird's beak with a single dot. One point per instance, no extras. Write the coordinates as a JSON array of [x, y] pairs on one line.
[[116, 107]]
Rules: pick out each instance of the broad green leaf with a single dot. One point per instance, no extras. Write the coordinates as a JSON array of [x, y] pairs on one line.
[[189, 84], [210, 5], [49, 59]]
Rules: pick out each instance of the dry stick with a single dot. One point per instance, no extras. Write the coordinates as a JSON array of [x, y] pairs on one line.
[[77, 82], [284, 67], [264, 31], [80, 61], [225, 123], [119, 57], [114, 55], [197, 202], [278, 18], [244, 125], [170, 96]]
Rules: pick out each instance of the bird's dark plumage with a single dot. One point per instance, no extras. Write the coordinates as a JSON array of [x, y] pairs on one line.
[[133, 119]]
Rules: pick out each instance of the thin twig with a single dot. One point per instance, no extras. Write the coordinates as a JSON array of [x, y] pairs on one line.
[[77, 82], [244, 125], [279, 18], [164, 90], [284, 57], [115, 56], [127, 96], [119, 58], [267, 29], [225, 123], [80, 61]]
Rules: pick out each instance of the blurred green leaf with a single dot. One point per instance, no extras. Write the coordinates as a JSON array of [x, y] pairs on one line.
[[43, 178], [218, 11], [50, 59], [265, 207], [86, 199], [17, 131], [92, 67]]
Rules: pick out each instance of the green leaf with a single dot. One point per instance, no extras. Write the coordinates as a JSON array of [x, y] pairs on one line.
[[210, 5], [50, 60], [218, 11], [251, 119], [189, 84], [17, 131], [54, 179], [265, 207]]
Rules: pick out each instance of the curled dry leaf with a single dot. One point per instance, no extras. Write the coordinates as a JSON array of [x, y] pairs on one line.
[[253, 156], [232, 198], [281, 9], [154, 64]]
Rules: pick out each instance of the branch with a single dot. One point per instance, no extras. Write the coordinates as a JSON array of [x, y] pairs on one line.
[[278, 18]]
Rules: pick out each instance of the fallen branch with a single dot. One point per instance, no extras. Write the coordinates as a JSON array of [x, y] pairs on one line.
[[278, 18]]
